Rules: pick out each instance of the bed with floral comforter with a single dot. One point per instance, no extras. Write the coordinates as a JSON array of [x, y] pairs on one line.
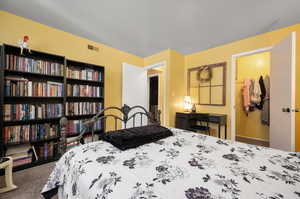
[[186, 165]]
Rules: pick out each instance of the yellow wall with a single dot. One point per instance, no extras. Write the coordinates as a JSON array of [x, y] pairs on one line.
[[251, 67], [224, 53], [176, 85], [48, 39], [174, 88]]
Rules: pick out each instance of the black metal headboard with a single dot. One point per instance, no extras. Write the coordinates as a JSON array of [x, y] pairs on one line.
[[126, 117], [125, 111]]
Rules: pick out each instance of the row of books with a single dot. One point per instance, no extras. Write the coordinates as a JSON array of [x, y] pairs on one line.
[[84, 74], [77, 90], [25, 64], [76, 126], [27, 133], [16, 86], [83, 108], [31, 111], [46, 150]]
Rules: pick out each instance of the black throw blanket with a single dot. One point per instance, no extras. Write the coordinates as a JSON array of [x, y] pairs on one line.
[[136, 136]]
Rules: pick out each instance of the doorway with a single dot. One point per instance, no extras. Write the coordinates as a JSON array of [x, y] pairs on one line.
[[153, 95], [282, 93], [156, 92], [135, 87], [252, 114]]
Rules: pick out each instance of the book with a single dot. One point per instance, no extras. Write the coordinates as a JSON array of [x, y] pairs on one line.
[[18, 149]]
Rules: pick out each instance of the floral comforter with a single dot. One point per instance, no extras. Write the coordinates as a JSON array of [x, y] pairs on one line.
[[186, 165]]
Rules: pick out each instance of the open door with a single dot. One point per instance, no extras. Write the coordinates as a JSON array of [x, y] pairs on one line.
[[153, 95], [282, 94], [135, 89]]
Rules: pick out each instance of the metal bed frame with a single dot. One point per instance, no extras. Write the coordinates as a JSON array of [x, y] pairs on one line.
[[89, 124]]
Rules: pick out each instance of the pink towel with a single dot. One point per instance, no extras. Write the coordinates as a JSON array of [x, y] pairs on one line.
[[246, 94]]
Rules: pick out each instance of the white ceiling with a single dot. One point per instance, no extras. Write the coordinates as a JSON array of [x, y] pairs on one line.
[[145, 27]]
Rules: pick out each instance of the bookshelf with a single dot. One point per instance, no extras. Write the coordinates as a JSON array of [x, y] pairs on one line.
[[84, 91], [36, 90]]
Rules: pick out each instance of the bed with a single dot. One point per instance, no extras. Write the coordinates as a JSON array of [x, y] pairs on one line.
[[185, 165]]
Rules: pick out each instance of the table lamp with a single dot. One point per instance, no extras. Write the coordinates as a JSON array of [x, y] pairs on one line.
[[187, 103]]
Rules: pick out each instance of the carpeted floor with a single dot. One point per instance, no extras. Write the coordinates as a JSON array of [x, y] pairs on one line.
[[30, 182]]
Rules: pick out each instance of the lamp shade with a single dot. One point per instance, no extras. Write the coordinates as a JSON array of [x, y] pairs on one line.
[[187, 103]]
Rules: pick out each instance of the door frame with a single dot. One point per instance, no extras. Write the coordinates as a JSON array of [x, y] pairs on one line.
[[293, 79], [233, 85], [164, 65]]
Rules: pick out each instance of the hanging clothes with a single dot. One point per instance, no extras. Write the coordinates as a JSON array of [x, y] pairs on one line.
[[246, 94], [265, 113], [255, 94], [263, 93]]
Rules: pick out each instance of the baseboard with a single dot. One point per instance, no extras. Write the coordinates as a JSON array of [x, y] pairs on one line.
[[256, 141]]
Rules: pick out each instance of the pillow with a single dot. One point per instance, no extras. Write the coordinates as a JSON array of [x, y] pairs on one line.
[[133, 137]]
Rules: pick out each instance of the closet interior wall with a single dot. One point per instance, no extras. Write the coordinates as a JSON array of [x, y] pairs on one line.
[[249, 125]]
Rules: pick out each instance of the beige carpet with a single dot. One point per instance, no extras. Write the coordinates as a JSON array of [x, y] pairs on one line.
[[29, 181]]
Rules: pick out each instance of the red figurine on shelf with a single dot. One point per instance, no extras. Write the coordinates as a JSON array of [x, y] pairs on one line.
[[24, 44]]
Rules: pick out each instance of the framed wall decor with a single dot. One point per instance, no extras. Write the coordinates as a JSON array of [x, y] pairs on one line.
[[207, 84]]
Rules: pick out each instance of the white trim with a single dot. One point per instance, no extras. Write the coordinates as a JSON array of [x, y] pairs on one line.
[[260, 50], [153, 75], [293, 89], [233, 84], [159, 64]]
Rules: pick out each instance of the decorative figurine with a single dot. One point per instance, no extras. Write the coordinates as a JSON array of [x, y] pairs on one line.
[[194, 108], [24, 44]]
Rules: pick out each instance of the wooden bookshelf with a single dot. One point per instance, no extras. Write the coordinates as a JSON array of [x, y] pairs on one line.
[[91, 75]]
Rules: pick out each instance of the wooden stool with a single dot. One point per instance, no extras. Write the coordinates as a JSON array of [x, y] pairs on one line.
[[7, 165]]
